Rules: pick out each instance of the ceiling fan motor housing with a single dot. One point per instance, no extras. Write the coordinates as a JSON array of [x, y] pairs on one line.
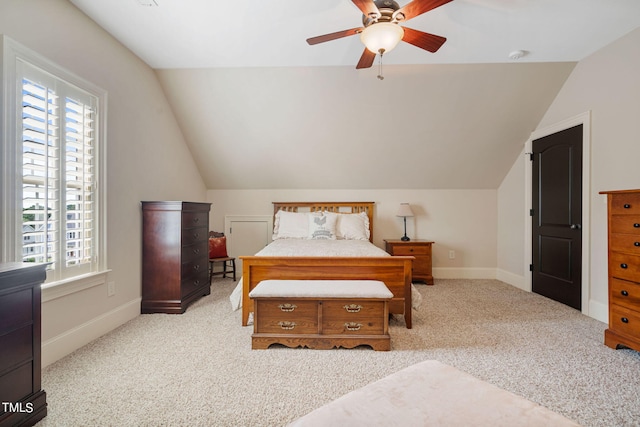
[[387, 13]]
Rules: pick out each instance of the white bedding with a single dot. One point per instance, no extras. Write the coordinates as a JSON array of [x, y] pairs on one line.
[[311, 247], [314, 247]]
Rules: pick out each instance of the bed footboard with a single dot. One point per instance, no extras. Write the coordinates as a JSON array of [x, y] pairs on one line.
[[394, 271]]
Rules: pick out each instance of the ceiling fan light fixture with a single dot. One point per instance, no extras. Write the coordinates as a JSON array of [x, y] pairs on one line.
[[382, 36]]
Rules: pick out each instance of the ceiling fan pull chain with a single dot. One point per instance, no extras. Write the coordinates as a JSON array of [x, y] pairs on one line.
[[380, 76]]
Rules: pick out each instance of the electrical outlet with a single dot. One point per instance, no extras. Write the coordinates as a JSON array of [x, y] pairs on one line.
[[452, 254], [111, 289]]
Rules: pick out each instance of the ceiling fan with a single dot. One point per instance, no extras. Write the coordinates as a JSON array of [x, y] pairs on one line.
[[381, 31]]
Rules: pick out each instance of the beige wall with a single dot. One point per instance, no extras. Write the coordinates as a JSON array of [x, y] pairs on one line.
[[459, 220], [607, 85], [147, 159]]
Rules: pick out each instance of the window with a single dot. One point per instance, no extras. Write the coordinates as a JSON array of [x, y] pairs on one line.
[[53, 145]]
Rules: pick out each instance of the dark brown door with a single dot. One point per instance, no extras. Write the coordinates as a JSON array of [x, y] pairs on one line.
[[557, 216]]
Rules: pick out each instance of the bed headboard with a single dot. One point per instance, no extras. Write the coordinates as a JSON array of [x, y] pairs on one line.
[[337, 207]]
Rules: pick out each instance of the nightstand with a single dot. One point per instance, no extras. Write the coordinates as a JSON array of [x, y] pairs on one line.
[[421, 250]]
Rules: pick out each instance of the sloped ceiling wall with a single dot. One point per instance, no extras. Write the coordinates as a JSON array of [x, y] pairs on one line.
[[423, 126]]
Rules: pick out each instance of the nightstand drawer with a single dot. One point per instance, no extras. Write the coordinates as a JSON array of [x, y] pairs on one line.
[[411, 250]]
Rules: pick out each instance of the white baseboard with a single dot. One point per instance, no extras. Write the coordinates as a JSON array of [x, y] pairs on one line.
[[464, 273], [71, 340], [513, 279], [599, 311]]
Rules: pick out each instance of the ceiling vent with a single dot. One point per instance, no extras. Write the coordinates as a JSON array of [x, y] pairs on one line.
[[147, 2]]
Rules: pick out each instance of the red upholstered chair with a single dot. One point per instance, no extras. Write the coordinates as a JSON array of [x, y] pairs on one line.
[[218, 254]]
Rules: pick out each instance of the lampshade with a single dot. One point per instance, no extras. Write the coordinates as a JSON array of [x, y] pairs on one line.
[[381, 36], [404, 210]]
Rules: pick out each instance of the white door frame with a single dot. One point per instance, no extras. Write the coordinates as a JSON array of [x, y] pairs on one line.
[[583, 119]]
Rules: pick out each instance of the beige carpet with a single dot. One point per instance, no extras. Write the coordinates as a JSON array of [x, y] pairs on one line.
[[198, 369]]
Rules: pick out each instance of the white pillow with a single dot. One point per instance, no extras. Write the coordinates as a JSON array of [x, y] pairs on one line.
[[351, 226], [291, 225], [322, 227]]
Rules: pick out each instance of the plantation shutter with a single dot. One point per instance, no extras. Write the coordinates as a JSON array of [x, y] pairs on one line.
[[58, 173]]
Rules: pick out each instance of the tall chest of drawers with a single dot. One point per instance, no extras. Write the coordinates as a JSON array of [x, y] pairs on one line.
[[175, 255], [624, 269], [24, 402]]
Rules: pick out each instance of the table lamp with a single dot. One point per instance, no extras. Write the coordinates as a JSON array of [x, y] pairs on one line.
[[404, 211]]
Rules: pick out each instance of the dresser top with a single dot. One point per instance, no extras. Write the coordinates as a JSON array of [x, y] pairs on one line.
[[175, 205], [620, 192]]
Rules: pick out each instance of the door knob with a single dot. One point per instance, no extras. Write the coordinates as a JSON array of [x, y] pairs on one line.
[[576, 226]]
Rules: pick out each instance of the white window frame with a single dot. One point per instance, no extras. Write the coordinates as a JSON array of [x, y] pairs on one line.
[[12, 54]]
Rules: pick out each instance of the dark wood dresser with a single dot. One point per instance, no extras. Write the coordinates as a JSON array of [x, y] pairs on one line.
[[421, 270], [175, 255], [23, 402], [624, 269]]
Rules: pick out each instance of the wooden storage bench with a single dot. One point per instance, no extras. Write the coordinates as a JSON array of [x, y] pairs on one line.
[[321, 314]]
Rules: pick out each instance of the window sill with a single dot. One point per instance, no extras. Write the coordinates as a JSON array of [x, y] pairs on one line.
[[61, 288]]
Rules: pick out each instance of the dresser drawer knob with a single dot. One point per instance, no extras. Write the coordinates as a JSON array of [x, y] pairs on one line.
[[196, 251], [352, 308], [624, 293], [636, 225], [624, 320], [196, 282], [196, 267], [196, 219], [352, 326], [623, 265], [627, 206], [287, 307], [287, 326], [636, 243], [196, 235]]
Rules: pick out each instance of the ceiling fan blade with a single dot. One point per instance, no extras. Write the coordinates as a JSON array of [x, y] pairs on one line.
[[366, 60], [425, 41], [418, 7], [334, 36], [367, 7]]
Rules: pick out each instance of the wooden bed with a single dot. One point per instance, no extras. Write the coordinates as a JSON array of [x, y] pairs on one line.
[[394, 271]]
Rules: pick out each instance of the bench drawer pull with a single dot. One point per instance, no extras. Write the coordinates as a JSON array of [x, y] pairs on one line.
[[287, 326], [287, 307], [353, 308], [352, 326]]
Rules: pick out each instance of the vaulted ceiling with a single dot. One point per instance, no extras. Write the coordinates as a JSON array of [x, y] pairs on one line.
[[260, 108]]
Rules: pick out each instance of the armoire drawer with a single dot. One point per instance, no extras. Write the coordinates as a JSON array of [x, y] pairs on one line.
[[627, 243], [192, 219], [624, 266], [625, 293], [625, 224], [625, 204], [624, 321]]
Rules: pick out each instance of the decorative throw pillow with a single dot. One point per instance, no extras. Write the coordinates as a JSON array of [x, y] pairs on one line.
[[322, 227], [218, 247]]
